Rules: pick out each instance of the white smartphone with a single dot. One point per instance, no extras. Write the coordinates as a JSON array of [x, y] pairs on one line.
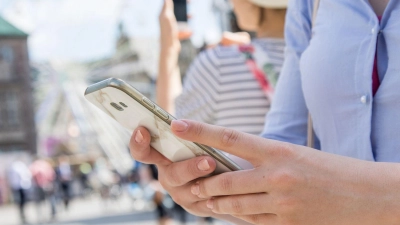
[[132, 109]]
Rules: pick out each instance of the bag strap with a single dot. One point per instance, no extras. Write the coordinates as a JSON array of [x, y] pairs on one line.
[[310, 129], [259, 74]]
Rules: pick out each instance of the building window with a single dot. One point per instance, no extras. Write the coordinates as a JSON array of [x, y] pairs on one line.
[[9, 109], [6, 62], [12, 148]]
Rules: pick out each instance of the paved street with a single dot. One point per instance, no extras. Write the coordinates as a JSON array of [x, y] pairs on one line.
[[89, 211]]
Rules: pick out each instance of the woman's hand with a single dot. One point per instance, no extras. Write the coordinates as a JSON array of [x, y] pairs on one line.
[[293, 184], [177, 178]]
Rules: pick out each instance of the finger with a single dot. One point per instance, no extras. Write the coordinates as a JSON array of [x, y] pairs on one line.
[[182, 196], [231, 183], [246, 146], [180, 173], [199, 208], [142, 151], [263, 219], [242, 204]]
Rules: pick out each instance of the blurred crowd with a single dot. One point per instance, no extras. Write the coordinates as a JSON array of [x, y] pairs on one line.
[[51, 185], [56, 182]]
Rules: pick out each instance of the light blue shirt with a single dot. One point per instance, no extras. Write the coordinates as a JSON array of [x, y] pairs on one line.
[[331, 76]]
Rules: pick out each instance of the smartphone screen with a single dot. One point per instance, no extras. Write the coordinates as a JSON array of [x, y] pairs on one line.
[[180, 10]]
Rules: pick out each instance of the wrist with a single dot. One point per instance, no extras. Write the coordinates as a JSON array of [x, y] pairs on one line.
[[387, 176]]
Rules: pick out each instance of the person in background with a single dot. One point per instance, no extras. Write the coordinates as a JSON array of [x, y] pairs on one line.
[[64, 177], [44, 179], [20, 180], [221, 87], [85, 170]]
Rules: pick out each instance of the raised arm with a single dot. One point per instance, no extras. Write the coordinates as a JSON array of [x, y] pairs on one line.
[[169, 84]]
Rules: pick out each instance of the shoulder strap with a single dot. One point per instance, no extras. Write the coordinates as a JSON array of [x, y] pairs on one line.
[[260, 75], [310, 129]]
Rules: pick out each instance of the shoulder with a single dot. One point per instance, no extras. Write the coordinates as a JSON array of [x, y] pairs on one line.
[[303, 7], [221, 56]]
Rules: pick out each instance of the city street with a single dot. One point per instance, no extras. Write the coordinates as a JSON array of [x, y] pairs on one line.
[[89, 211]]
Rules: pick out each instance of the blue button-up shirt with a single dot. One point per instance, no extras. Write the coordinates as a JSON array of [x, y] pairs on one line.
[[330, 76]]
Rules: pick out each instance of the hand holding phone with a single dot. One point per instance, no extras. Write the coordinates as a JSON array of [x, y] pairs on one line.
[[132, 109], [180, 10], [171, 31]]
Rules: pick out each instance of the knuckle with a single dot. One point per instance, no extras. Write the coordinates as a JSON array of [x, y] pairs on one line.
[[255, 219], [172, 178], [225, 183], [286, 206], [283, 150], [198, 130], [236, 206], [229, 137], [284, 178]]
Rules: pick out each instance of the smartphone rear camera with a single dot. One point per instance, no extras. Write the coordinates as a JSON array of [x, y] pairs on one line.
[[123, 104], [116, 106]]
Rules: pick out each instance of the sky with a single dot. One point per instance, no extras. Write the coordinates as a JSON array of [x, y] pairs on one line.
[[84, 30]]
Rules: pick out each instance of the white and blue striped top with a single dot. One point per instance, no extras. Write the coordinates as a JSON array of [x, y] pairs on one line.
[[220, 89]]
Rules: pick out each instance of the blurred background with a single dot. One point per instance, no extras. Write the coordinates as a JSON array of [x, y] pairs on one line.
[[61, 161]]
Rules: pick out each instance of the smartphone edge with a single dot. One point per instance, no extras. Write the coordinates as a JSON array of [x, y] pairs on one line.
[[131, 91]]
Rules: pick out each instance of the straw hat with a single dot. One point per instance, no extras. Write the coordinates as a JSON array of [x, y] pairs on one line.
[[277, 4]]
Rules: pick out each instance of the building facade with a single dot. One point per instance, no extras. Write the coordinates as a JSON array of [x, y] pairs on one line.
[[17, 125]]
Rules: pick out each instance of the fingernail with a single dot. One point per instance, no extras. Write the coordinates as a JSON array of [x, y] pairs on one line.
[[138, 137], [203, 165], [179, 125], [195, 189], [210, 203]]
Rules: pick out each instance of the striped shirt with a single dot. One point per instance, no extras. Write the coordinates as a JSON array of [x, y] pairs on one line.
[[220, 89]]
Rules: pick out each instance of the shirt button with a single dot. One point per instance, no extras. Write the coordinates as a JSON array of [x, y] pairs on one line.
[[364, 99], [373, 31]]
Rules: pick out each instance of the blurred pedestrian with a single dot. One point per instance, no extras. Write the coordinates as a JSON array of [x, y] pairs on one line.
[[232, 84], [153, 191], [85, 170], [19, 178], [44, 179], [64, 178]]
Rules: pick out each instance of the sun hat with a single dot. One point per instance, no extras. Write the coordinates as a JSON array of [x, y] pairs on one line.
[[278, 4]]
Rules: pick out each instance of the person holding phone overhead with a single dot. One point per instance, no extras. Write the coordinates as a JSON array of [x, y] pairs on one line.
[[220, 86], [343, 71]]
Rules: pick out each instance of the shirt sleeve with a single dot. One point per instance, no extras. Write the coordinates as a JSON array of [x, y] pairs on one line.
[[198, 98], [287, 119]]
